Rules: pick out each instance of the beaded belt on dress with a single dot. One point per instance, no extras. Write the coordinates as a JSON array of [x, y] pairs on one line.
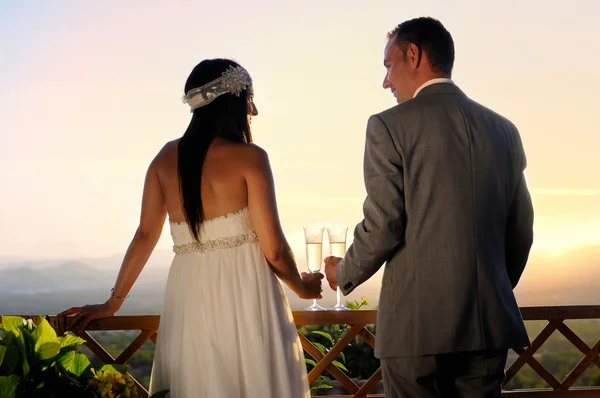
[[217, 244]]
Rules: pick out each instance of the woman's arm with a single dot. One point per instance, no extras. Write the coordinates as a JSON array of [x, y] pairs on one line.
[[152, 219], [265, 218]]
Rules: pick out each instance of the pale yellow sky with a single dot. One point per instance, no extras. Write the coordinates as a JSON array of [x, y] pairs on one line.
[[91, 91]]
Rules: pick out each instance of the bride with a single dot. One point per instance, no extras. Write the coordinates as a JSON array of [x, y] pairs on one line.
[[226, 329]]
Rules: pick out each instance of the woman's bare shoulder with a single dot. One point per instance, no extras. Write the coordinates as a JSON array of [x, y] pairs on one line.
[[244, 155], [167, 153], [255, 157]]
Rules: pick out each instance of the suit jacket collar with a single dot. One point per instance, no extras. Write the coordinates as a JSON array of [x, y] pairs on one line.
[[440, 88]]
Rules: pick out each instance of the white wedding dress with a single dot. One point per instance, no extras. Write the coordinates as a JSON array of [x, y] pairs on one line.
[[226, 329]]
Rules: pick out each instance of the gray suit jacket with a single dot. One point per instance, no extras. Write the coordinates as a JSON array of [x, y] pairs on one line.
[[449, 212]]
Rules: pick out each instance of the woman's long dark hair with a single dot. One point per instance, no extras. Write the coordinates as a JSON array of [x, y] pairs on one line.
[[226, 117]]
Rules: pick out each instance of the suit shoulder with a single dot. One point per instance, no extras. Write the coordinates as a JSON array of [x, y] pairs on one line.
[[407, 110], [403, 108], [490, 113]]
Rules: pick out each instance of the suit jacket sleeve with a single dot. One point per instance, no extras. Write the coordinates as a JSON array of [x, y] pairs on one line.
[[382, 230], [519, 226]]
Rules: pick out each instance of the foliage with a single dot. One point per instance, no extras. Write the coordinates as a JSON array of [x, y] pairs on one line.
[[328, 340], [357, 305], [36, 362]]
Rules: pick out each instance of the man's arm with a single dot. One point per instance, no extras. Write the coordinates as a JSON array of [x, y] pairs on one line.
[[383, 227], [519, 228]]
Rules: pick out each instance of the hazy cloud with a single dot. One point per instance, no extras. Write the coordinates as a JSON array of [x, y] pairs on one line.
[[565, 192]]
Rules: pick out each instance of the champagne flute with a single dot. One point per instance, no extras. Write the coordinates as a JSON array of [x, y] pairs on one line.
[[337, 248], [314, 255]]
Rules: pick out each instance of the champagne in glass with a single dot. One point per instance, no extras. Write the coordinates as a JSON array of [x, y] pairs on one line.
[[337, 248], [314, 255]]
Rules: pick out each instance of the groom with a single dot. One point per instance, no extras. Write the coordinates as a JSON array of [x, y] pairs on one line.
[[449, 212]]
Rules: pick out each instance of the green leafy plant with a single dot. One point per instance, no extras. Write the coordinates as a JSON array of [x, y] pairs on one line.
[[36, 362], [323, 381], [357, 305]]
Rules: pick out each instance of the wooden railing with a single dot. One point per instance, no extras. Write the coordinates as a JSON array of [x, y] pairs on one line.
[[358, 320]]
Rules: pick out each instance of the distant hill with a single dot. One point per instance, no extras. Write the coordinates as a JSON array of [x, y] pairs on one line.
[[568, 279], [72, 275], [50, 286]]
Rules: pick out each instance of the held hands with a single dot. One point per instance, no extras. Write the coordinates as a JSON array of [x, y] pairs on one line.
[[330, 271], [311, 286]]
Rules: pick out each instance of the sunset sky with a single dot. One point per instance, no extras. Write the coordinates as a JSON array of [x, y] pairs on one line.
[[90, 91]]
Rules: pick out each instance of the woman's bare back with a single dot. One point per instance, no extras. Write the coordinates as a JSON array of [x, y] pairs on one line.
[[223, 185]]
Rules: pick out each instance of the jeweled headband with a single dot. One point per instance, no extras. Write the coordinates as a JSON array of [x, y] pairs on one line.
[[234, 80]]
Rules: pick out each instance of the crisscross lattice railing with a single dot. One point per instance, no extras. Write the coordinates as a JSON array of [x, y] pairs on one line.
[[357, 320]]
